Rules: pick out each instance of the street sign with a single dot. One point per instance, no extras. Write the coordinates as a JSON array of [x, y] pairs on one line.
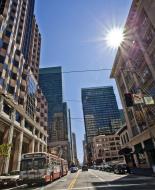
[[137, 98], [148, 100]]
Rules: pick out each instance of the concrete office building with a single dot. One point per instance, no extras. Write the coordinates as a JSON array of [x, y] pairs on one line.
[[106, 149], [19, 124], [136, 57]]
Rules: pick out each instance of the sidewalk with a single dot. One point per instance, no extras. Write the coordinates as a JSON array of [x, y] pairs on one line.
[[142, 171]]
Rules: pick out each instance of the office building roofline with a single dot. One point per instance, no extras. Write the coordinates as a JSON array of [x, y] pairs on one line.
[[99, 87], [46, 70]]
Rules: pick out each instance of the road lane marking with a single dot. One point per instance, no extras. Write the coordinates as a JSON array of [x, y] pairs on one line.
[[53, 183], [97, 176], [71, 185], [14, 188], [104, 186]]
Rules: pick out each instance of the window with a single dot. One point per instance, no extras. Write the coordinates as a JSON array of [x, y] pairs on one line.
[[127, 137], [12, 18], [13, 11], [24, 76], [26, 164], [37, 119], [1, 80], [18, 117], [11, 89], [5, 45], [10, 26], [15, 63], [2, 59], [18, 52], [13, 75], [21, 101], [22, 88], [14, 4], [117, 138], [7, 109]]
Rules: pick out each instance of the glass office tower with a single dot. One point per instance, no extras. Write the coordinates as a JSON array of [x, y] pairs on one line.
[[100, 111], [50, 80]]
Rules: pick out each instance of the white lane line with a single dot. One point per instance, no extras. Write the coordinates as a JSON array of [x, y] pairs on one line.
[[97, 176], [109, 185], [14, 188], [51, 184]]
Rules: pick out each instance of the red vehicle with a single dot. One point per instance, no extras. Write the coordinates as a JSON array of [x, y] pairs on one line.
[[64, 165], [42, 167]]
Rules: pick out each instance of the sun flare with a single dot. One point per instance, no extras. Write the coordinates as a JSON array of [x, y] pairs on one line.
[[114, 37]]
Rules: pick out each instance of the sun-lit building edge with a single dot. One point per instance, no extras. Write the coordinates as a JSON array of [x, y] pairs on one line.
[[134, 73]]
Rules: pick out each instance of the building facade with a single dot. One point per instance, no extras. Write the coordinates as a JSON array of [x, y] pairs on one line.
[[126, 149], [74, 148], [60, 137], [100, 110], [59, 123], [106, 149], [18, 84], [85, 161], [50, 81], [136, 57]]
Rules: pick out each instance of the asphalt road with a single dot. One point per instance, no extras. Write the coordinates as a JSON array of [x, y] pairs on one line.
[[98, 180]]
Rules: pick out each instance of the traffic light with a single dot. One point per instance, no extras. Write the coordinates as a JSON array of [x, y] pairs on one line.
[[128, 99]]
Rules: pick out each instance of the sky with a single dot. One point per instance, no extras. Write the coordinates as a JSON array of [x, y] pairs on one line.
[[73, 33]]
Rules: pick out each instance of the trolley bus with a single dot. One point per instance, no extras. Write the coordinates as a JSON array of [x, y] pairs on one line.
[[41, 167]]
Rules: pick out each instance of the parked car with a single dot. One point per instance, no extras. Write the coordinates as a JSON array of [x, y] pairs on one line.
[[120, 169], [73, 169], [84, 168], [13, 179], [107, 168]]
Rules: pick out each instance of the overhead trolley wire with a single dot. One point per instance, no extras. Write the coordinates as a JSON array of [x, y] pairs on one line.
[[86, 70]]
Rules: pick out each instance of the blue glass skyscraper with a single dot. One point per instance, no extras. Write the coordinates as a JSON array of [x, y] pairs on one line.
[[59, 127], [100, 110], [50, 81]]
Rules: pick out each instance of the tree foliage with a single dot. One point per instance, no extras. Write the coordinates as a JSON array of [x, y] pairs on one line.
[[5, 150]]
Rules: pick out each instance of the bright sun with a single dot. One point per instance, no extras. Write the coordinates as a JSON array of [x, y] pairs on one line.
[[114, 37]]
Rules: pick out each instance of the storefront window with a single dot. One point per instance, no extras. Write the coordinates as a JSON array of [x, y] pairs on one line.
[[140, 154]]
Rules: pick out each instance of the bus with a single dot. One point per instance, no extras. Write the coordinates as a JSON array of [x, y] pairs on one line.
[[42, 167]]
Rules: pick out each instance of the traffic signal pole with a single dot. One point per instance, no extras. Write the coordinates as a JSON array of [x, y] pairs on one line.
[[127, 91]]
